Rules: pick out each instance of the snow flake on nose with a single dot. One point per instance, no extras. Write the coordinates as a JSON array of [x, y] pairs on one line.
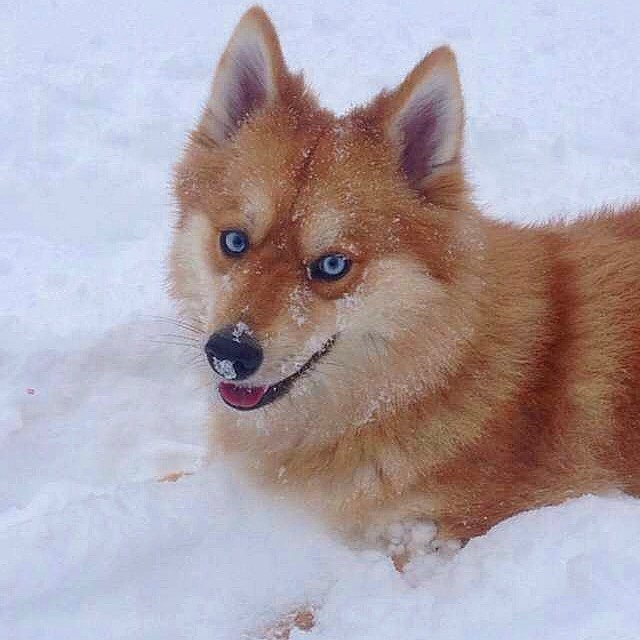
[[239, 329], [225, 368]]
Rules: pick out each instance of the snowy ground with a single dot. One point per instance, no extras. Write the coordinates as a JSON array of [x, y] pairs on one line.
[[94, 102]]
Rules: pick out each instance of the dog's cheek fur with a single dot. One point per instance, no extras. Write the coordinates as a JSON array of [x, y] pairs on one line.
[[402, 324], [191, 281]]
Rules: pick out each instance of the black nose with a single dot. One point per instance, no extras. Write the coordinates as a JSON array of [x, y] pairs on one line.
[[233, 353]]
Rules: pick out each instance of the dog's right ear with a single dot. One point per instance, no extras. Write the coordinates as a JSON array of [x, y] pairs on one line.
[[424, 119], [247, 79]]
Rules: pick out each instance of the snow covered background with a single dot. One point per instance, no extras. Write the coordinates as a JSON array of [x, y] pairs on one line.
[[95, 99]]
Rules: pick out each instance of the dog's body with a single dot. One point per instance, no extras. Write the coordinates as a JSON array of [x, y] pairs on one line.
[[458, 369]]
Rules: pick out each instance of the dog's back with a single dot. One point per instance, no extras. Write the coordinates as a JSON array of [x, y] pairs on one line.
[[559, 393]]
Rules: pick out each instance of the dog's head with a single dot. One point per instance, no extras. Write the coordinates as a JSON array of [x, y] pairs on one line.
[[323, 255]]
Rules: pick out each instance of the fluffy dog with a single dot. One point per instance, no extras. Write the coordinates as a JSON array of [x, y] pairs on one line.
[[383, 351]]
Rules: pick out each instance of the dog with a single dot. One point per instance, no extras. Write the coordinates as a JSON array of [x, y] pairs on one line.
[[383, 351]]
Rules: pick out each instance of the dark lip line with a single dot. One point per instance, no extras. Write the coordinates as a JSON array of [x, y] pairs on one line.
[[279, 389]]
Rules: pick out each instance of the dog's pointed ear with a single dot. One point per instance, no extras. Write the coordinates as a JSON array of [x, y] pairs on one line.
[[247, 77], [425, 117]]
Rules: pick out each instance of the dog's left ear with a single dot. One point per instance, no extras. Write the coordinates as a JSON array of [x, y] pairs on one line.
[[424, 119], [248, 76]]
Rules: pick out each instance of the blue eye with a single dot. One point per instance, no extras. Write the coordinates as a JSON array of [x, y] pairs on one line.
[[234, 242], [330, 267]]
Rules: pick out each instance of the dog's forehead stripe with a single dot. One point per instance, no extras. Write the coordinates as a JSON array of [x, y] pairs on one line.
[[262, 196]]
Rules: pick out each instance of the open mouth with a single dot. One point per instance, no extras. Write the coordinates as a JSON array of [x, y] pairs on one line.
[[246, 398]]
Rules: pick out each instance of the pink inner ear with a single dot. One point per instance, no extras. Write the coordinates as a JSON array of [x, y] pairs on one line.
[[248, 90], [420, 130]]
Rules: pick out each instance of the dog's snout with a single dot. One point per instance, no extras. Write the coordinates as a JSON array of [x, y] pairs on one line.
[[233, 354]]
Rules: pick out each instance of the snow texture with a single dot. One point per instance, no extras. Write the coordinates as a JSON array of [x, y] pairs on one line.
[[97, 402], [225, 368]]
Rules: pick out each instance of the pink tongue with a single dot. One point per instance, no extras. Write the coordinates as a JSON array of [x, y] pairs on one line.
[[241, 397]]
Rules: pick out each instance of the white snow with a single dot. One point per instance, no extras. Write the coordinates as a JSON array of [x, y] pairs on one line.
[[225, 368], [97, 402], [239, 329]]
